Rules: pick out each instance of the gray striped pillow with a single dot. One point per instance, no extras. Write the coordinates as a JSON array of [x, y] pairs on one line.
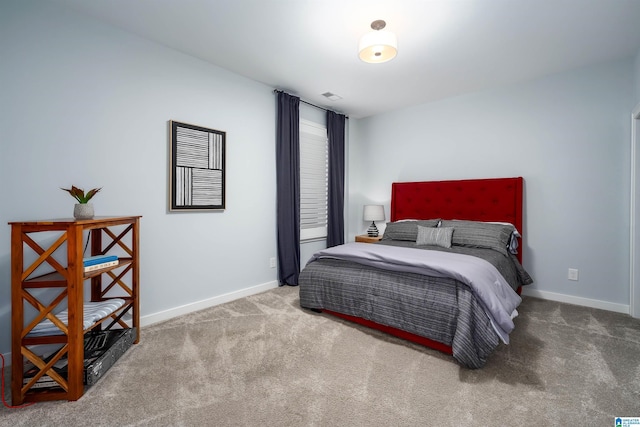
[[440, 236], [479, 234], [407, 230]]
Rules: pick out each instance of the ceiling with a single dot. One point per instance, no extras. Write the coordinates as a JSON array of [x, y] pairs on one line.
[[445, 47]]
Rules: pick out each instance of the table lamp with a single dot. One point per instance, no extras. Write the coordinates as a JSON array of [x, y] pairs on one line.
[[373, 213]]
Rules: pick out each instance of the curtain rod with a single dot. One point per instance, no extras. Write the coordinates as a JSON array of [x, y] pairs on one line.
[[308, 103]]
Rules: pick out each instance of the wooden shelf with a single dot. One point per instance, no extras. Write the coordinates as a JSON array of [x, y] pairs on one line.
[[118, 235], [55, 279]]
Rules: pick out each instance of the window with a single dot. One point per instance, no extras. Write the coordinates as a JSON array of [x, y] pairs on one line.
[[314, 180]]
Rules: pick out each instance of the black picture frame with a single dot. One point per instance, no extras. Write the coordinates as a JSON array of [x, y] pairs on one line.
[[196, 168]]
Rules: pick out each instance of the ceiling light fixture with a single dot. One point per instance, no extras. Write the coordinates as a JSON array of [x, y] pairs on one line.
[[378, 46]]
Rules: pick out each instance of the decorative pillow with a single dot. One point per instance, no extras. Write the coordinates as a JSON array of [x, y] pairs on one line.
[[481, 234], [407, 230], [438, 236]]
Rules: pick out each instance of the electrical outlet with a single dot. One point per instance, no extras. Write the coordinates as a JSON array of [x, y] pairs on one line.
[[272, 262], [573, 274]]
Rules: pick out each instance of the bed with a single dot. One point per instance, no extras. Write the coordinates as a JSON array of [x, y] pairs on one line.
[[425, 280]]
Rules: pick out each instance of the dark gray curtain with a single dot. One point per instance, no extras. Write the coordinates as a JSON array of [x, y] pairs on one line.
[[288, 188], [335, 226]]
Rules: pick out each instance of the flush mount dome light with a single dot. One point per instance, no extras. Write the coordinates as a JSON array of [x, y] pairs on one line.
[[378, 46]]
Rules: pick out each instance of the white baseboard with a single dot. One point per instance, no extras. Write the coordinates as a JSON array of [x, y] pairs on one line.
[[189, 308], [210, 302], [570, 299]]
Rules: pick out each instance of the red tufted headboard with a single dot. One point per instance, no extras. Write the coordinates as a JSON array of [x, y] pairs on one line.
[[493, 199]]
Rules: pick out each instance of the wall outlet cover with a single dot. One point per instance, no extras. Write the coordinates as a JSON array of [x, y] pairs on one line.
[[573, 274]]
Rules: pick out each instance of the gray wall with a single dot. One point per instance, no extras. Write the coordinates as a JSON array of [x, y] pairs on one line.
[[567, 135], [87, 104], [636, 75]]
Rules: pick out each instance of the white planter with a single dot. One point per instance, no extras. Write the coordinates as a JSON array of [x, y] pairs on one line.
[[83, 211]]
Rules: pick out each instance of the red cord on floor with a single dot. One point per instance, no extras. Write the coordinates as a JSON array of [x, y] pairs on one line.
[[4, 402]]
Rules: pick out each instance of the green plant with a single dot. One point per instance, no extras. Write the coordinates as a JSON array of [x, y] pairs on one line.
[[78, 193]]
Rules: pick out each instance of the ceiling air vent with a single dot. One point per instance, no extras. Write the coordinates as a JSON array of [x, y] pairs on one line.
[[331, 96]]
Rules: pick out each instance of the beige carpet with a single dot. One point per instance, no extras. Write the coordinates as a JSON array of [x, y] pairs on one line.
[[263, 361]]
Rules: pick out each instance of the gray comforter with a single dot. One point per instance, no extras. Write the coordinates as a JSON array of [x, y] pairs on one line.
[[430, 302]]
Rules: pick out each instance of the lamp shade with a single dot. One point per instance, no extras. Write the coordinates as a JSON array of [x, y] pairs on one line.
[[378, 46], [373, 213]]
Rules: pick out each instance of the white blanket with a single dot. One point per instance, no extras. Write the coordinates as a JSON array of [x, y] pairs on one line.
[[498, 298]]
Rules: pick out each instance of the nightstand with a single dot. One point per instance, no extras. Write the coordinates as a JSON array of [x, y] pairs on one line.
[[363, 238]]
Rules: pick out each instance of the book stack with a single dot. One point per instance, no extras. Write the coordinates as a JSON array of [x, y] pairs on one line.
[[99, 261], [45, 381]]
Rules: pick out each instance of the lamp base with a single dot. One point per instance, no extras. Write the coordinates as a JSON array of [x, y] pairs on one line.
[[372, 231]]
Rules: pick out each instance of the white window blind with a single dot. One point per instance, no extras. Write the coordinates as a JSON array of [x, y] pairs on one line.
[[314, 180]]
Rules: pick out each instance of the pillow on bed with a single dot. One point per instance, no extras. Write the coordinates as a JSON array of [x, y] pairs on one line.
[[513, 242], [407, 230], [438, 236], [480, 234]]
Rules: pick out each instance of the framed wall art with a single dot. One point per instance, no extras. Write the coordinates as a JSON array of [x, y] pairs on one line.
[[197, 168]]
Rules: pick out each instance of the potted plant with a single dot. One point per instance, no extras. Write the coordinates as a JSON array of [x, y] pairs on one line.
[[83, 209]]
